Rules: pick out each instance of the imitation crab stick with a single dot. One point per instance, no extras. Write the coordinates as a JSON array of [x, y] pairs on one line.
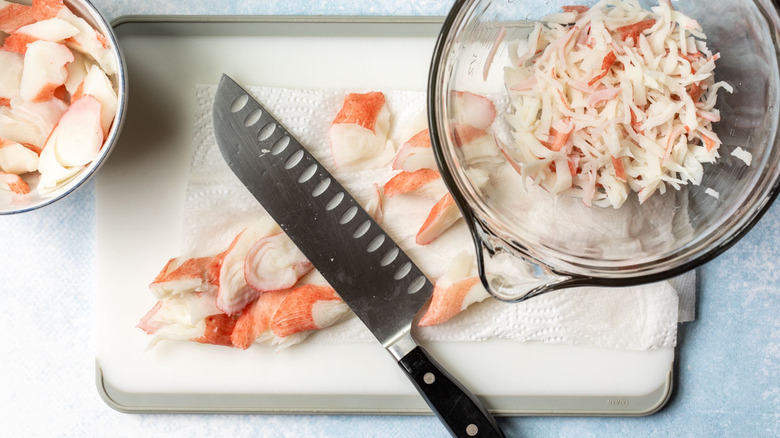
[[185, 317], [87, 40], [449, 300], [10, 76], [474, 143], [454, 291], [441, 217], [217, 330], [14, 183], [632, 31], [274, 263], [52, 173], [44, 70], [78, 136], [307, 307], [234, 292], [148, 322], [374, 206], [14, 15], [178, 277], [472, 109], [30, 123], [463, 134], [255, 319], [492, 53], [45, 9], [73, 143], [606, 66], [416, 153], [98, 85], [287, 316], [77, 71], [53, 30], [423, 182], [17, 158], [358, 134]]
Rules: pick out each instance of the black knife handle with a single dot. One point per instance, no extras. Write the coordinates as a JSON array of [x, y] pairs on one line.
[[456, 407]]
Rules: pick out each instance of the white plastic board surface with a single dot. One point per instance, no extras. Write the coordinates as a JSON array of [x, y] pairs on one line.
[[140, 196]]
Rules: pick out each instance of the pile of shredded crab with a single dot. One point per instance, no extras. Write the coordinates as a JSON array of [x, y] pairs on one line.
[[613, 99]]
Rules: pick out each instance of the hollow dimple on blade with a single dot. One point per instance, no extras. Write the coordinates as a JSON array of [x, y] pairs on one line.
[[364, 265]]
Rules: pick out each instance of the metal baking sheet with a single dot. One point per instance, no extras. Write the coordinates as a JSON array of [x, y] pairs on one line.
[[140, 197]]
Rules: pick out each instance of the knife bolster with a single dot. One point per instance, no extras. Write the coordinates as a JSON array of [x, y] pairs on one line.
[[401, 346]]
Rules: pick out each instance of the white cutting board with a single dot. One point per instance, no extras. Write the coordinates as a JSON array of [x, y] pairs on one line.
[[140, 196]]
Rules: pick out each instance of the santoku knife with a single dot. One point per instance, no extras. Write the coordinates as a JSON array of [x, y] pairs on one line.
[[368, 270]]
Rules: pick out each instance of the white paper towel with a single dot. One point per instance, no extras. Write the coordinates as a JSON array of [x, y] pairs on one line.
[[217, 207]]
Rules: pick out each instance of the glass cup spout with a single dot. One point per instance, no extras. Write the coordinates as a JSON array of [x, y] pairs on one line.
[[510, 273]]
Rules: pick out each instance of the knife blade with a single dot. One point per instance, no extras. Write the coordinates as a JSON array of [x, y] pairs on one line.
[[361, 262]]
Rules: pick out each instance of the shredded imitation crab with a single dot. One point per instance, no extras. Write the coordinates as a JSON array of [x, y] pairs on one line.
[[611, 99]]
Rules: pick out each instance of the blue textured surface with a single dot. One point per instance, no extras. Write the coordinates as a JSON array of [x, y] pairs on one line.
[[729, 365]]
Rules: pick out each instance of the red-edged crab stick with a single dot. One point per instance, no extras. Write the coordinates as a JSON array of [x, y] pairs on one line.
[[358, 134]]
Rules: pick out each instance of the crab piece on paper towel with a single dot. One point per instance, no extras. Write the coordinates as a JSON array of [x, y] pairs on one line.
[[416, 153], [181, 277], [285, 318], [275, 263], [443, 215], [423, 182], [454, 291], [358, 134], [190, 316], [234, 293], [374, 206]]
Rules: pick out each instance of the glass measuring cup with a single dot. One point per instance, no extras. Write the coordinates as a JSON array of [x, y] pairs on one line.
[[529, 242]]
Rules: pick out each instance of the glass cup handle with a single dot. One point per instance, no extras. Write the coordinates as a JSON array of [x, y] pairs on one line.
[[510, 274]]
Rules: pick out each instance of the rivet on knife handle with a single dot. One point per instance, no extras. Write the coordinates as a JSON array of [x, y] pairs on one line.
[[366, 267]]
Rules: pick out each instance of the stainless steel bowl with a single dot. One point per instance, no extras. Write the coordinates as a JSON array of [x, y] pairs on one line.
[[10, 204], [528, 246]]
